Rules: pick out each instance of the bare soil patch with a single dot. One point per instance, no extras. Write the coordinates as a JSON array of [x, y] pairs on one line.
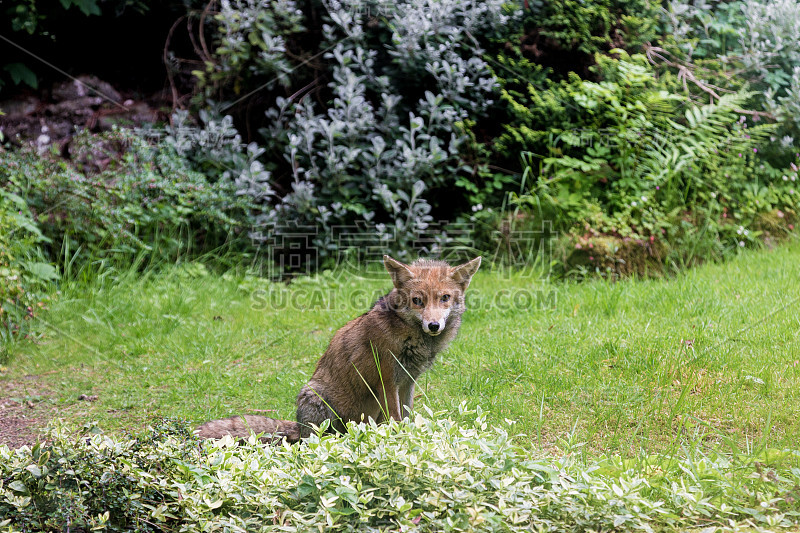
[[23, 413]]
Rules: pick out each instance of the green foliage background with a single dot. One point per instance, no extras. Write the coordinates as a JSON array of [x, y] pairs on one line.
[[638, 138]]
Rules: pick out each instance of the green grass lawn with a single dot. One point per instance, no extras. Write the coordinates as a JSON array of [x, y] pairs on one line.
[[707, 358]]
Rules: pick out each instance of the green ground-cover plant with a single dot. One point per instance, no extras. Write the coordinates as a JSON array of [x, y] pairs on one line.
[[429, 473]]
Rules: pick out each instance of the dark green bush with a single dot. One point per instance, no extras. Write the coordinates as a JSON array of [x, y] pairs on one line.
[[726, 44], [600, 25], [637, 175]]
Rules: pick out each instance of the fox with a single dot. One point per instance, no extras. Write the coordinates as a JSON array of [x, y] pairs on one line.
[[373, 362]]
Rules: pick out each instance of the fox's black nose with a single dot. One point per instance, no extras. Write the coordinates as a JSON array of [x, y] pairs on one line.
[[433, 326]]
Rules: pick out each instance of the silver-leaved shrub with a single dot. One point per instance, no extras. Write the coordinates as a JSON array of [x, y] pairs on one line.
[[403, 77]]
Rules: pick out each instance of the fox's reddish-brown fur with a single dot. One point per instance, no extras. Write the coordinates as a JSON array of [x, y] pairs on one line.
[[375, 358]]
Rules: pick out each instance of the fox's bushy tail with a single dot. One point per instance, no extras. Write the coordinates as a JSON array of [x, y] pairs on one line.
[[272, 430]]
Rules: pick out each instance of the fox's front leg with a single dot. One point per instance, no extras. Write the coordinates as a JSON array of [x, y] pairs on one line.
[[389, 395], [407, 398], [391, 401]]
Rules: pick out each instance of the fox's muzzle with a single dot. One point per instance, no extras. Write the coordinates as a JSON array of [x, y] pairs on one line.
[[433, 328]]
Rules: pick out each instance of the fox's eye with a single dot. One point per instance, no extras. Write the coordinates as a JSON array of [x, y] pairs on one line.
[[445, 297], [417, 301]]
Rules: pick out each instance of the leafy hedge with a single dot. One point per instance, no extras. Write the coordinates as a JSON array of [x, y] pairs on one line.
[[422, 475]]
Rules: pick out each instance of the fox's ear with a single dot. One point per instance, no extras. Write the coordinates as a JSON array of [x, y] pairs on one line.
[[462, 274], [400, 272]]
